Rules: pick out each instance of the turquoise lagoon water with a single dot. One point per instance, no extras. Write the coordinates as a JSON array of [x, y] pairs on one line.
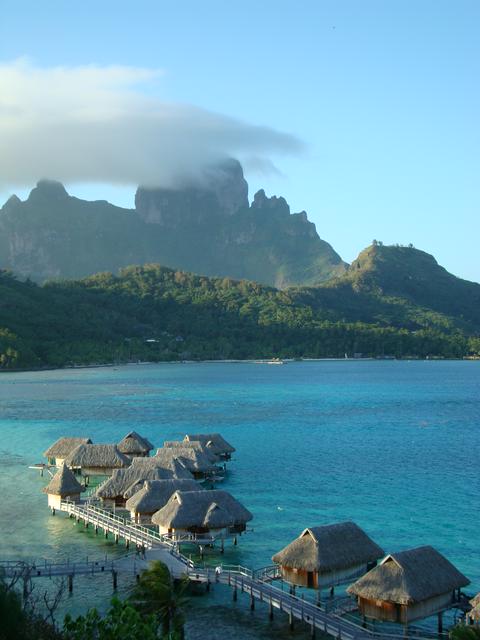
[[393, 446]]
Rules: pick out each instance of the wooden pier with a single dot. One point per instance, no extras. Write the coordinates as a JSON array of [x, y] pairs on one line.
[[132, 533], [258, 585]]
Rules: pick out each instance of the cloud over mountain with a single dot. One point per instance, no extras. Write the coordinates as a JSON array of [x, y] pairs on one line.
[[107, 124]]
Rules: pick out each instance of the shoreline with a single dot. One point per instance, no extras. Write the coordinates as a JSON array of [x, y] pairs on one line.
[[260, 361]]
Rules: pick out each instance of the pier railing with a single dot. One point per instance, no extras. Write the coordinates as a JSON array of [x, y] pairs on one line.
[[256, 584], [259, 584]]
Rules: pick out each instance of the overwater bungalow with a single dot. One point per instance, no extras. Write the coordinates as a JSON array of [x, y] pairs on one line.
[[154, 495], [124, 483], [473, 616], [134, 445], [62, 448], [96, 460], [326, 556], [197, 445], [196, 462], [212, 513], [213, 441], [408, 586], [63, 485]]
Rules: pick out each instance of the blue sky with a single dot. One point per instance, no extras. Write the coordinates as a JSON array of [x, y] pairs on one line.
[[384, 95]]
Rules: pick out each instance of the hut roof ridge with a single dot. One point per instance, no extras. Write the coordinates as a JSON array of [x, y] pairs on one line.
[[190, 508], [154, 494], [191, 458], [218, 442], [133, 442], [410, 576], [329, 547], [62, 447], [63, 483], [123, 480], [97, 455]]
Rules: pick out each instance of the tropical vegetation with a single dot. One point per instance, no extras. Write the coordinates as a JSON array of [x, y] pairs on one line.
[[385, 305]]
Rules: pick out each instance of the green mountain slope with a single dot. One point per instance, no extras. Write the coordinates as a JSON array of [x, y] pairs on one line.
[[208, 228], [154, 313], [398, 286]]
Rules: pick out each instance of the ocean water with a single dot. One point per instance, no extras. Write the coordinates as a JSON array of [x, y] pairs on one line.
[[393, 446]]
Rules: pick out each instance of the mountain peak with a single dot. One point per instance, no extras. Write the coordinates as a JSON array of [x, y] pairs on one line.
[[221, 190], [48, 189], [262, 201], [11, 204], [205, 225]]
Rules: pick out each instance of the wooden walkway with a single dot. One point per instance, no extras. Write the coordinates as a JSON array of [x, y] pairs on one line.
[[258, 585], [120, 527]]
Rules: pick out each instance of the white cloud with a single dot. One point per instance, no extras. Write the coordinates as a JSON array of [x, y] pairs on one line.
[[101, 124]]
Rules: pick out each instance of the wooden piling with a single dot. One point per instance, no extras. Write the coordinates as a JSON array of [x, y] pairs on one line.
[[290, 621], [114, 580], [440, 622], [70, 583], [270, 609]]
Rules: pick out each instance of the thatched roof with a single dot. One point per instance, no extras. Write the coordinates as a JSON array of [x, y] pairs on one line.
[[173, 467], [328, 548], [126, 482], [215, 509], [134, 443], [64, 446], [410, 576], [197, 445], [105, 456], [213, 440], [63, 483], [193, 460], [154, 494]]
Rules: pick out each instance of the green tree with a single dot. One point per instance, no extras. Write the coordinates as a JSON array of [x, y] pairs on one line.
[[158, 594], [17, 619], [464, 632], [122, 622]]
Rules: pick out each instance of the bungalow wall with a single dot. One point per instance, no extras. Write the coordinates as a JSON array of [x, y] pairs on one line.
[[138, 454], [141, 518], [114, 501], [55, 500], [198, 531], [96, 471], [393, 612], [237, 528], [325, 580]]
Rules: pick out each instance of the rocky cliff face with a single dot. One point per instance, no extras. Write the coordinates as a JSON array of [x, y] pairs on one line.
[[207, 227], [221, 192]]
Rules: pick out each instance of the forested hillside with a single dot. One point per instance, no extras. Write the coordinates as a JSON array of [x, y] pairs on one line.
[[154, 313]]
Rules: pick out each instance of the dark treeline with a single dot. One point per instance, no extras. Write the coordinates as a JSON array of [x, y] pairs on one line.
[[153, 313]]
